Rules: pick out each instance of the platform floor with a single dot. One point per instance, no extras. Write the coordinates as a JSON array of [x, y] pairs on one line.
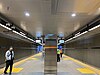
[[34, 65]]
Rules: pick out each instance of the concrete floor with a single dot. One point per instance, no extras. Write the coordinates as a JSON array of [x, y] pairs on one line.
[[35, 66]]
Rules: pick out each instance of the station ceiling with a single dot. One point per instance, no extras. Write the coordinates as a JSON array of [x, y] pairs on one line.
[[50, 16]]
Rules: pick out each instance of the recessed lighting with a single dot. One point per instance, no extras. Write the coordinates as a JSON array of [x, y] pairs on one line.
[[99, 8], [73, 15], [1, 6], [27, 14]]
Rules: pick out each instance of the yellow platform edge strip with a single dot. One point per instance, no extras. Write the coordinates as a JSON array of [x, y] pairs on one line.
[[85, 71], [21, 61], [14, 70], [85, 65]]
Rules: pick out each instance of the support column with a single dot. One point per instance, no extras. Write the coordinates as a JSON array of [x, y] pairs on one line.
[[50, 62]]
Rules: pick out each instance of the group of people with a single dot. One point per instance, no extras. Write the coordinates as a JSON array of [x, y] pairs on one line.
[[59, 54], [10, 57]]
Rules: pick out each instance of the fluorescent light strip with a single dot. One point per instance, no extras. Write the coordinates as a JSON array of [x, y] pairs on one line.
[[15, 32], [68, 39], [18, 33], [30, 39], [83, 33], [5, 27], [76, 36], [23, 36], [94, 27]]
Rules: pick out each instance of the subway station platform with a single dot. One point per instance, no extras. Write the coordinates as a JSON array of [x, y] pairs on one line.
[[51, 27], [34, 65]]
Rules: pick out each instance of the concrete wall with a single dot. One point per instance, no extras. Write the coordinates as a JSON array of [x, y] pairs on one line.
[[21, 48], [86, 50], [89, 56]]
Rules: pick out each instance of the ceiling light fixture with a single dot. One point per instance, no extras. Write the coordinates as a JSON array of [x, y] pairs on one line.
[[73, 15], [99, 8], [1, 7], [27, 14]]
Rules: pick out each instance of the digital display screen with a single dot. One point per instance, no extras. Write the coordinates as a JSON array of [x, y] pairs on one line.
[[61, 41], [38, 41]]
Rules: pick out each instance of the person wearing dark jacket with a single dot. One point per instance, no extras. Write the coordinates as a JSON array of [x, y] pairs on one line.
[[9, 60]]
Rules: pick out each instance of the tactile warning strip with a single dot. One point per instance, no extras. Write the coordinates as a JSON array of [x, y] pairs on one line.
[[14, 70], [86, 71]]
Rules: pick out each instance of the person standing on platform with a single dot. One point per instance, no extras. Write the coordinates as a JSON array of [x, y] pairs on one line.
[[61, 53], [58, 55], [9, 60]]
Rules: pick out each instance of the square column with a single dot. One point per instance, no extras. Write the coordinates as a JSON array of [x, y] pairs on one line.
[[50, 61]]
